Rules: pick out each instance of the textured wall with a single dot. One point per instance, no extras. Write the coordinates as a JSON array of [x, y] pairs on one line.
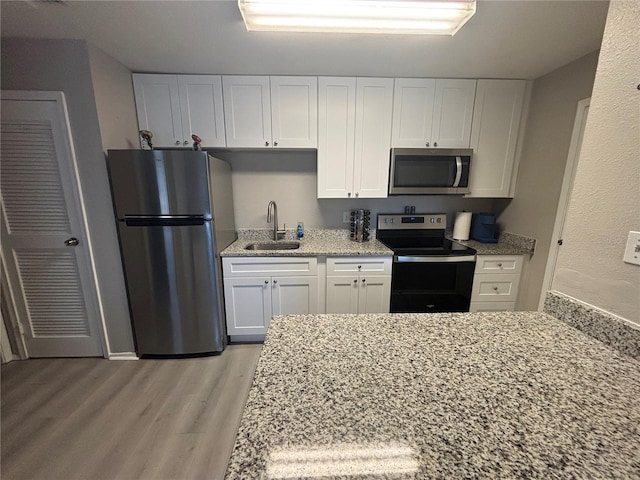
[[605, 204], [532, 212], [63, 65]]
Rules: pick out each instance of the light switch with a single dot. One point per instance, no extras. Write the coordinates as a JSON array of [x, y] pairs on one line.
[[632, 252]]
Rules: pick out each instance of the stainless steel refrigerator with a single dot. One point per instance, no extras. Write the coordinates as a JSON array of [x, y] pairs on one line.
[[174, 212]]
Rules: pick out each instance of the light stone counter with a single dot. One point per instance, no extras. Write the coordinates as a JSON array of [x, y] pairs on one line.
[[315, 243], [438, 396]]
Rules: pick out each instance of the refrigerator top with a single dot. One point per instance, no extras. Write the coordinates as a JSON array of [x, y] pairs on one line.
[[159, 182]]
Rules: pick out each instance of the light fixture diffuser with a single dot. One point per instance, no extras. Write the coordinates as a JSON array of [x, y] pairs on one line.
[[405, 17]]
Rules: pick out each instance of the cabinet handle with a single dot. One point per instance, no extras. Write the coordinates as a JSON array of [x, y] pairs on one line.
[[355, 282], [186, 142], [266, 144], [357, 194], [349, 194], [275, 281], [499, 265], [435, 144], [359, 267], [177, 142], [495, 288], [266, 282], [275, 144], [363, 281], [427, 144]]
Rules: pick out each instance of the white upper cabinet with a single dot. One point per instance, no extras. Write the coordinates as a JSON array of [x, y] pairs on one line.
[[174, 107], [201, 108], [294, 112], [432, 113], [266, 112], [354, 136], [158, 108], [452, 113], [494, 135]]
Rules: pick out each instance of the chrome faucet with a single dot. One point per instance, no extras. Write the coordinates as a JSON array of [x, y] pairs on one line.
[[276, 233]]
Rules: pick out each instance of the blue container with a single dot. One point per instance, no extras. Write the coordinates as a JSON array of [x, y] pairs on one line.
[[484, 228]]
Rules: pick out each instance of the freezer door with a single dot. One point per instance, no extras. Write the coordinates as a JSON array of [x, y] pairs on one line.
[[159, 182], [173, 281]]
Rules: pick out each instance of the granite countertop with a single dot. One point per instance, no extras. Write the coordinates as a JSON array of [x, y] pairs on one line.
[[438, 396], [508, 244], [319, 243]]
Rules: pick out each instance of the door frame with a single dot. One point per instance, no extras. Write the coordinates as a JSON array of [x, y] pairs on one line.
[[575, 146], [94, 307]]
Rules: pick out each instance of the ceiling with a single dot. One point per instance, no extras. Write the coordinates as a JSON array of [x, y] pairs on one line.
[[505, 39]]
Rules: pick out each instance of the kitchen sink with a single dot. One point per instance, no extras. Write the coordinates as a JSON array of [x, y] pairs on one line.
[[273, 246]]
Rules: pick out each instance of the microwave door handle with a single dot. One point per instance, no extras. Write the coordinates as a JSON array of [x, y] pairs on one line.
[[456, 182]]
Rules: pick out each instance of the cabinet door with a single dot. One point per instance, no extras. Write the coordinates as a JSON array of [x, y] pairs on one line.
[[247, 111], [496, 121], [374, 294], [294, 112], [342, 294], [248, 305], [374, 105], [158, 108], [201, 109], [336, 134], [452, 113], [412, 112], [294, 295]]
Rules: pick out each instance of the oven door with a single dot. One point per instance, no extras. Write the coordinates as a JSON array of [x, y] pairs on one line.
[[424, 284]]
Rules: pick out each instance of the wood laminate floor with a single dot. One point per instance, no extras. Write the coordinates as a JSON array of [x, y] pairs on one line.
[[90, 418]]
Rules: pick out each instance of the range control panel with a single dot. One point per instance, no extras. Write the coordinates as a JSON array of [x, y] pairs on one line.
[[412, 221]]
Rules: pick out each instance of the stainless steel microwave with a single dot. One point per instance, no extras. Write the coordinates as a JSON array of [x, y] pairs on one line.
[[435, 171]]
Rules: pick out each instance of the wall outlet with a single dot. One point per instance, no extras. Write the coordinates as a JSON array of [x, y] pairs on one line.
[[632, 252], [346, 217]]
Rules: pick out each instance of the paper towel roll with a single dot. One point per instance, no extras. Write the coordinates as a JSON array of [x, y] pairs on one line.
[[462, 226]]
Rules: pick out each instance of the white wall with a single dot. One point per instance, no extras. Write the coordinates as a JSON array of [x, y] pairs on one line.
[[545, 148], [290, 179], [63, 65], [115, 103], [605, 203]]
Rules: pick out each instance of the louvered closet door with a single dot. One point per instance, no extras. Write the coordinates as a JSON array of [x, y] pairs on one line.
[[49, 277]]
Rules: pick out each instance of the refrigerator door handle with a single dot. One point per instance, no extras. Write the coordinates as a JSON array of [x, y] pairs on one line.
[[164, 220]]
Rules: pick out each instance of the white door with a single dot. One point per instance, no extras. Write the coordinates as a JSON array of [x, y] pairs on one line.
[[158, 108], [412, 112], [294, 295], [201, 109], [374, 295], [342, 294], [452, 113], [336, 134], [565, 195], [294, 112], [247, 111], [374, 107], [44, 243], [248, 305]]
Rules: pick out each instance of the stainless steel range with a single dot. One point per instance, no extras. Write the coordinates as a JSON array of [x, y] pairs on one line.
[[430, 273]]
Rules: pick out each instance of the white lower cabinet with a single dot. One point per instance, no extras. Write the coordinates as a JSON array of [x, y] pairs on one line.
[[358, 285], [256, 288], [495, 283]]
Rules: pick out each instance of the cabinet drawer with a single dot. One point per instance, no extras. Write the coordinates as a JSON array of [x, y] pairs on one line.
[[492, 306], [499, 263], [253, 266], [339, 266], [492, 287]]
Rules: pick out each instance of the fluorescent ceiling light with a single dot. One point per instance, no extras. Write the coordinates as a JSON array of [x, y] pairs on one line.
[[406, 17]]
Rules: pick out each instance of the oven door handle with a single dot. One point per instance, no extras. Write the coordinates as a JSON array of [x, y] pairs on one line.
[[456, 182], [434, 259]]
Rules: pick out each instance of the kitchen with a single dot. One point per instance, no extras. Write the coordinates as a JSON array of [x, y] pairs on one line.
[[269, 176]]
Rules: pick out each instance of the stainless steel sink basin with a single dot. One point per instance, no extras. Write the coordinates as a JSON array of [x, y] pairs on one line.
[[273, 246]]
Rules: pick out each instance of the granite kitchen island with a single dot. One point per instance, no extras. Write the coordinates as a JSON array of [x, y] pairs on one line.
[[448, 396]]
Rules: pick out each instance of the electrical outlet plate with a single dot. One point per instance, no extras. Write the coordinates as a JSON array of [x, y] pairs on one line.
[[632, 252], [346, 217]]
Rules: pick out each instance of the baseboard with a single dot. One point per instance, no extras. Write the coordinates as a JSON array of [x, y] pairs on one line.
[[123, 356]]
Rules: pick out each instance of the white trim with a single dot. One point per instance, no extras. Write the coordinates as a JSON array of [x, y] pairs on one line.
[[123, 356], [14, 323], [565, 195]]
